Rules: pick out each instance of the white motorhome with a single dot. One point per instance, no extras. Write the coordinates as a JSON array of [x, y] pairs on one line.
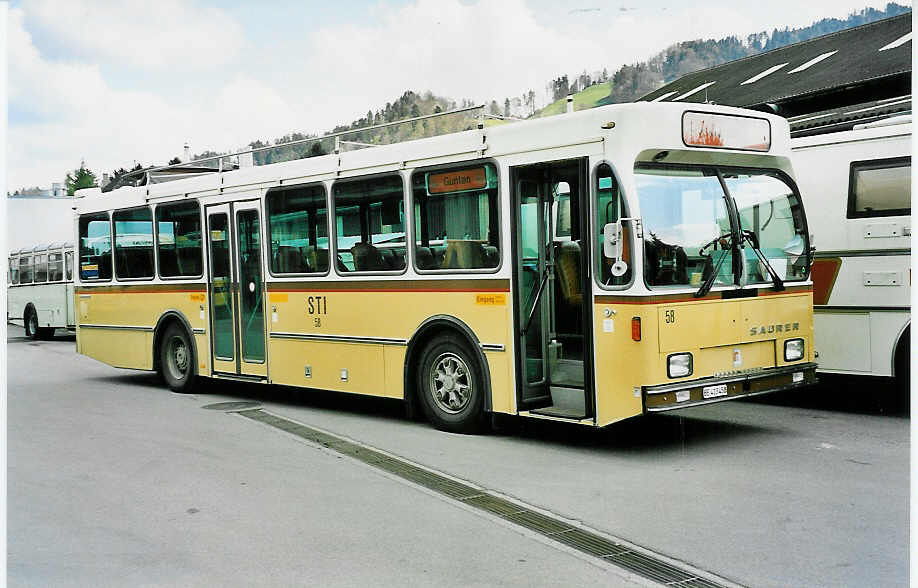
[[857, 192], [40, 289]]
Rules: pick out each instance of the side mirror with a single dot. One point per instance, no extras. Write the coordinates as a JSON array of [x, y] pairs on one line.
[[612, 240]]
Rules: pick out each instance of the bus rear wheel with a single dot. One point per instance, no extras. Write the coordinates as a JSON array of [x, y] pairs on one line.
[[450, 385], [176, 360], [32, 330]]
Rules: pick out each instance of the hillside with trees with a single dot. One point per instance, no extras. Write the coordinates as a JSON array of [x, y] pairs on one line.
[[626, 84]]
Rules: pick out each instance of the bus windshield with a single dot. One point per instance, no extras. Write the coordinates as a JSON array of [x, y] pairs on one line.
[[769, 208], [687, 226], [684, 214]]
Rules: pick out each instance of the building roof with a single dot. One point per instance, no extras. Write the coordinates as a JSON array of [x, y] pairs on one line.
[[855, 66]]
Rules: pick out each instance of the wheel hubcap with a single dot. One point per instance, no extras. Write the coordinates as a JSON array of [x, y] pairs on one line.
[[33, 324], [177, 358], [450, 386]]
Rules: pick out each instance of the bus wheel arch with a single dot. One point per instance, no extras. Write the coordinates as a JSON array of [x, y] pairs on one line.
[[172, 324], [426, 334]]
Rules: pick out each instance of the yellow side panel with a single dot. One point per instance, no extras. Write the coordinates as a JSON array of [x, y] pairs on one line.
[[394, 357], [327, 362], [124, 349], [393, 315], [202, 343], [622, 365], [384, 314], [503, 395], [137, 306]]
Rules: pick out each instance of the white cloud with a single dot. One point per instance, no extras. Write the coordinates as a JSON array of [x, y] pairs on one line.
[[482, 51], [165, 33], [73, 113], [63, 110]]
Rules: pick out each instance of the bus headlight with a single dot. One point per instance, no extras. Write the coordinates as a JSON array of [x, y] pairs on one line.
[[793, 349], [679, 365]]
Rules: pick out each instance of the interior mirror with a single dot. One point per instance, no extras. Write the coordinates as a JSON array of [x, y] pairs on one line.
[[612, 240]]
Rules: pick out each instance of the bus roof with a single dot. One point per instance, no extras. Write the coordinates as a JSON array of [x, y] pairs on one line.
[[626, 130], [44, 247]]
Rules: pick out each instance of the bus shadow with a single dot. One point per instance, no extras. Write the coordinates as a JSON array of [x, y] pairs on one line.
[[846, 394], [132, 378], [372, 406], [644, 433], [652, 432]]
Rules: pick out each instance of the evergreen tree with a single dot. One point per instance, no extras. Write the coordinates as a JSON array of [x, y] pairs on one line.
[[80, 178]]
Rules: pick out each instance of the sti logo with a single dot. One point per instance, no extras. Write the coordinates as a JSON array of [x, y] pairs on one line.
[[776, 328]]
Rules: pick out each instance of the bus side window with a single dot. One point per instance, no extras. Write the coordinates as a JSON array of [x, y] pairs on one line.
[[25, 269], [456, 218], [55, 267], [298, 226], [95, 247], [610, 206], [370, 224], [880, 187], [68, 265], [14, 270], [40, 265], [178, 240]]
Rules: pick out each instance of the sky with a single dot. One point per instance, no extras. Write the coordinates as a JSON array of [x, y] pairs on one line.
[[114, 83]]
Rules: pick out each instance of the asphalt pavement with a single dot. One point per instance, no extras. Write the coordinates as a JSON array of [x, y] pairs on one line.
[[113, 480]]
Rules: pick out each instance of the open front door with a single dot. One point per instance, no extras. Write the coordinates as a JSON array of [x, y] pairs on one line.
[[552, 289], [237, 289]]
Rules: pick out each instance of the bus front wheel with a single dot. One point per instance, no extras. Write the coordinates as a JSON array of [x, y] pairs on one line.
[[450, 385], [176, 359]]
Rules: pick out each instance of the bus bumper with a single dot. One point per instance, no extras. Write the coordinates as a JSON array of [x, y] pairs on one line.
[[717, 389]]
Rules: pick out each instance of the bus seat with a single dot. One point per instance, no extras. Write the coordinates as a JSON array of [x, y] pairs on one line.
[[462, 254], [438, 253], [388, 258], [367, 258], [168, 262], [668, 263], [291, 261], [568, 274], [491, 255], [425, 258], [321, 260]]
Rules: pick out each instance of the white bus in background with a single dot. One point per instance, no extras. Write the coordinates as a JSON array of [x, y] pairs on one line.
[[857, 192], [40, 289]]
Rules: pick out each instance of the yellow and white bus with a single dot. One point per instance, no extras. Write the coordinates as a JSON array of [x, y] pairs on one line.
[[586, 268]]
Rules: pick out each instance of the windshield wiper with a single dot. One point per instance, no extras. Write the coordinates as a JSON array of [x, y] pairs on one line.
[[709, 283], [750, 237]]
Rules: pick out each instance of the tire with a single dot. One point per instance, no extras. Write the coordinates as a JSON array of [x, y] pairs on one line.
[[177, 360], [450, 385], [32, 330]]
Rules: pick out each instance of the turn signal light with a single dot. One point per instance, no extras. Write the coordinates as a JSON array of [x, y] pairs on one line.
[[636, 328]]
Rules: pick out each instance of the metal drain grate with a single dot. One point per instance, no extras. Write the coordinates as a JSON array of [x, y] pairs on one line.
[[232, 406], [620, 555]]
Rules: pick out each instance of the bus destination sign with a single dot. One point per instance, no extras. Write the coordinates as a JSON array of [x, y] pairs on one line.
[[725, 131], [457, 181]]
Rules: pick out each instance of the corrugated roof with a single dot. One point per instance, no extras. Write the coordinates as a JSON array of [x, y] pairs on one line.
[[874, 53]]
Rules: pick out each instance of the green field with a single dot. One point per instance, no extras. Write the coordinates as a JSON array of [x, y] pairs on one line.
[[589, 98]]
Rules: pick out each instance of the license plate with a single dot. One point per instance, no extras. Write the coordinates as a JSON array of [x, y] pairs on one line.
[[714, 391]]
